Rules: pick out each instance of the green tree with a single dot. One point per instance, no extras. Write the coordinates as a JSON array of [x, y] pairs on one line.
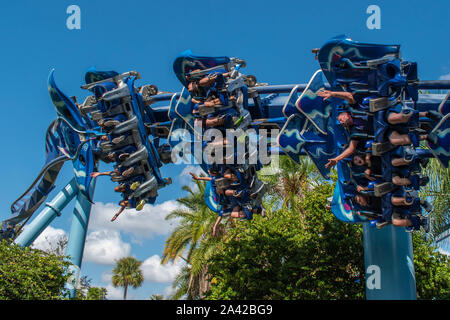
[[319, 257], [432, 270], [438, 190], [291, 181], [31, 274], [284, 257], [193, 242], [127, 273], [96, 293]]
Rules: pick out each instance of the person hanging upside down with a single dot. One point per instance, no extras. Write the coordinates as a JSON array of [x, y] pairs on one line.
[[366, 201], [373, 165], [219, 191], [399, 139], [359, 128], [398, 115]]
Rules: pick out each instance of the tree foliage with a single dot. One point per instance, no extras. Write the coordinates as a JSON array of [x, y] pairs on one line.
[[193, 242], [285, 257], [127, 273], [31, 274], [96, 293], [432, 270], [317, 257], [299, 251]]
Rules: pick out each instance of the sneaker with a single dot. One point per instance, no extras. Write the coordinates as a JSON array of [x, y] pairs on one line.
[[111, 123], [238, 121], [237, 194], [381, 224], [140, 205], [434, 115], [123, 156], [128, 172], [118, 140], [135, 185]]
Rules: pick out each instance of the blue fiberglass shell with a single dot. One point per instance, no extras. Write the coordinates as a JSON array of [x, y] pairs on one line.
[[37, 192], [65, 107], [342, 208], [211, 199], [67, 110], [153, 157], [187, 62], [83, 166], [309, 126], [92, 75], [341, 47], [183, 109]]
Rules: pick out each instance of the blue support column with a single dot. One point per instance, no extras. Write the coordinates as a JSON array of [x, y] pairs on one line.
[[77, 236], [51, 211], [389, 264]]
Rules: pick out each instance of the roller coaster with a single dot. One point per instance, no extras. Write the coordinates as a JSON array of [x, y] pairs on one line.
[[361, 112]]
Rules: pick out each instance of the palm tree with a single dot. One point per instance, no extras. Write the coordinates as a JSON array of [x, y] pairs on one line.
[[192, 238], [438, 191], [292, 180], [127, 273]]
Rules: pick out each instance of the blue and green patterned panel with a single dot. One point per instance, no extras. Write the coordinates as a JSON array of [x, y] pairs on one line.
[[187, 62]]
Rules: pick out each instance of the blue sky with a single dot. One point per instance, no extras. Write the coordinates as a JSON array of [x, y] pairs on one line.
[[275, 38]]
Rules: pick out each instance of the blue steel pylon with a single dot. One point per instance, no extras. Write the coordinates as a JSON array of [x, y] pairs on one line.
[[389, 264], [78, 230]]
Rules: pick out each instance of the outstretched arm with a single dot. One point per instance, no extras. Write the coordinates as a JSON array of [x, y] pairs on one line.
[[195, 177], [346, 153], [118, 213], [326, 94], [97, 174], [215, 225]]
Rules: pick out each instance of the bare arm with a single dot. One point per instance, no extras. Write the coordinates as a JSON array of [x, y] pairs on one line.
[[97, 174], [195, 177], [326, 94], [346, 153], [215, 225], [361, 188], [208, 80]]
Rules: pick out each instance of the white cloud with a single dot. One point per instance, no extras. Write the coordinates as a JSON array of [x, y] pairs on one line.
[[148, 222], [168, 291], [48, 239], [114, 293], [445, 77], [154, 271], [105, 247], [106, 276]]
